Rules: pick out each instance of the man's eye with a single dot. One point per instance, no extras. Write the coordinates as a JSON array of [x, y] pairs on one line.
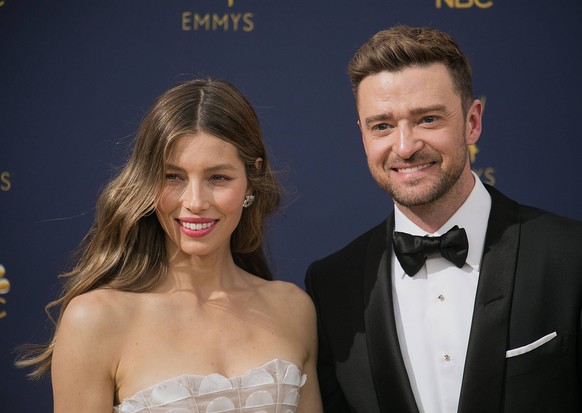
[[380, 127], [428, 119]]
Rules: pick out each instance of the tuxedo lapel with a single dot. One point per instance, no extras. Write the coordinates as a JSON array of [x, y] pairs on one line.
[[388, 370], [484, 375]]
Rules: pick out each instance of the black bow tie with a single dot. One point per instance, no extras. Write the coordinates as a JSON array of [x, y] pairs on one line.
[[412, 250]]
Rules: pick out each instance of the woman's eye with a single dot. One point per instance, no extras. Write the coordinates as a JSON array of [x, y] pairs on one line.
[[218, 178], [172, 177]]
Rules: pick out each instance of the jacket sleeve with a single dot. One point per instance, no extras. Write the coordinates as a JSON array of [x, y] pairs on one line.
[[332, 395]]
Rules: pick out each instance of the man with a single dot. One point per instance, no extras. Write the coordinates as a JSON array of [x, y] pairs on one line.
[[485, 318]]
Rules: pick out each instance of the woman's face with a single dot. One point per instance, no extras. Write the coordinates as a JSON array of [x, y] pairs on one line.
[[204, 189]]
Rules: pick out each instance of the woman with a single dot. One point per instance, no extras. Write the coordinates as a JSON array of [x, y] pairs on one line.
[[171, 306]]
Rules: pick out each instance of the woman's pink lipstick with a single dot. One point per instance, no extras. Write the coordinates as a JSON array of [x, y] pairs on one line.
[[196, 227]]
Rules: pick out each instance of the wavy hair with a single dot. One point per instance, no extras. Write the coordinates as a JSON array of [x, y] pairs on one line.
[[402, 46], [125, 247]]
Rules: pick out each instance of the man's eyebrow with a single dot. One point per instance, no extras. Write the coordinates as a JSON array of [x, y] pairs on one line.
[[383, 117], [428, 109], [378, 118]]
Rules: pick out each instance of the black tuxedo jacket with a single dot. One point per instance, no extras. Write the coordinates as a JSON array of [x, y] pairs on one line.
[[530, 285]]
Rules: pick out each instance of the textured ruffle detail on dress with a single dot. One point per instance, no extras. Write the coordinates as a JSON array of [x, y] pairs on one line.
[[271, 388]]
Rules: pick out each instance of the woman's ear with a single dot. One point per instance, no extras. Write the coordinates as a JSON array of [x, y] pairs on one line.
[[258, 166]]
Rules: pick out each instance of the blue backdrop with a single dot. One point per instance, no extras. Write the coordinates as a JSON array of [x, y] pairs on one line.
[[76, 78]]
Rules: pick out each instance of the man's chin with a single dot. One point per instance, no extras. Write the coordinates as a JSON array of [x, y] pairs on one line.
[[413, 196]]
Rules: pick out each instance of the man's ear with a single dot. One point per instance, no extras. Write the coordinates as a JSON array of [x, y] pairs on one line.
[[474, 122]]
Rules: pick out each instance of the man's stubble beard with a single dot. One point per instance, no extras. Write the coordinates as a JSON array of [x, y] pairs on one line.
[[408, 197]]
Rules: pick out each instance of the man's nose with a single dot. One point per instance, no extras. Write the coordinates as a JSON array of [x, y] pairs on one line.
[[408, 141]]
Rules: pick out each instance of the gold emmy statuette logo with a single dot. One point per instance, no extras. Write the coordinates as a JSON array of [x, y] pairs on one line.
[[5, 183], [473, 151], [4, 289], [463, 4]]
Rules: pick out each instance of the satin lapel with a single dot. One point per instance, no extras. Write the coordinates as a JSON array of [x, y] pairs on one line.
[[484, 376], [389, 373]]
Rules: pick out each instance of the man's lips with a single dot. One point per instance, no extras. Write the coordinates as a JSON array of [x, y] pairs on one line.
[[412, 169]]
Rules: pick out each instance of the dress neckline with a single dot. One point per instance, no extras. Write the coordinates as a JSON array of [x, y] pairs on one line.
[[201, 377]]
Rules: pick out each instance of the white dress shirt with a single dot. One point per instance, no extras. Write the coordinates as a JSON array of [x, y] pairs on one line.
[[434, 308]]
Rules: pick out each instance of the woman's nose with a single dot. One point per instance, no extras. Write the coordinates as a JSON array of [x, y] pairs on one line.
[[195, 198]]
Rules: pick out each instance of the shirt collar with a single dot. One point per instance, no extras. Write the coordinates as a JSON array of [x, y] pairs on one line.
[[473, 215]]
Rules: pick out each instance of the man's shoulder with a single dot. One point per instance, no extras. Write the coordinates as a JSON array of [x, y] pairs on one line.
[[538, 219], [549, 222], [356, 249], [343, 270]]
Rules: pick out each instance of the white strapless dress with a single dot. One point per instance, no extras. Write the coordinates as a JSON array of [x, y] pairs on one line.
[[271, 388]]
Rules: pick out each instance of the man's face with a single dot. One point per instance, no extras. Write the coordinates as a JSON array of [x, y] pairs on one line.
[[415, 133]]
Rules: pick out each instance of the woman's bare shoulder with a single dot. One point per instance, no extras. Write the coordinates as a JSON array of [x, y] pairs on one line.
[[87, 347], [98, 311], [289, 296], [293, 308]]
